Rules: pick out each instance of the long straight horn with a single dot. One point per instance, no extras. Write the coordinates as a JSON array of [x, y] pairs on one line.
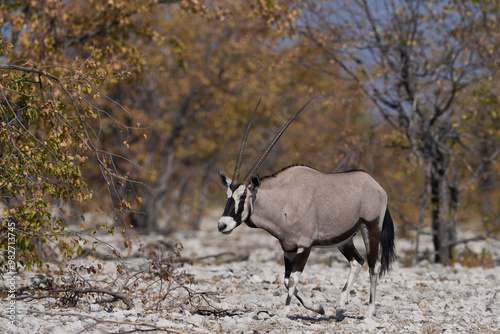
[[239, 158], [268, 149]]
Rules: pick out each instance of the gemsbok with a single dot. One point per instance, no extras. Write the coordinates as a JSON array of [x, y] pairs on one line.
[[304, 208]]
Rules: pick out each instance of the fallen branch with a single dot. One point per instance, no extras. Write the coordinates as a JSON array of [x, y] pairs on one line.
[[233, 257], [102, 321], [219, 313], [116, 296]]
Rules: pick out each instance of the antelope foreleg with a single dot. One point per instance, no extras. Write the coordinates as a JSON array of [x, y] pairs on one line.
[[289, 263], [309, 304], [294, 265]]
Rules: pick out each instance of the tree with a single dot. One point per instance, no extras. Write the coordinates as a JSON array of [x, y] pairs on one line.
[[63, 133], [45, 139], [413, 60], [194, 98], [55, 73]]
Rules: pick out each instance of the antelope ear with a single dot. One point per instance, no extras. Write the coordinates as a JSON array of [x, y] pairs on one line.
[[254, 183], [224, 180]]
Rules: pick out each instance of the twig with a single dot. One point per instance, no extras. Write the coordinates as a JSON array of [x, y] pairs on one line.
[[478, 238]]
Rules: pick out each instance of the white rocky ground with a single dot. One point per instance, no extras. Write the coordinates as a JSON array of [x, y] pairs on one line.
[[241, 276]]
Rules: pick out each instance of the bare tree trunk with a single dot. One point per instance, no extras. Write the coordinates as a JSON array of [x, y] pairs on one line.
[[444, 223], [442, 228], [486, 186], [452, 211], [435, 215], [398, 66], [423, 209]]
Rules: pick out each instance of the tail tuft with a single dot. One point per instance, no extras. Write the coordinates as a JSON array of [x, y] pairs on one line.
[[387, 243]]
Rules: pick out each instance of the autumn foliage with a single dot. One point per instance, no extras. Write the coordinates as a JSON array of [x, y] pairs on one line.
[[132, 107]]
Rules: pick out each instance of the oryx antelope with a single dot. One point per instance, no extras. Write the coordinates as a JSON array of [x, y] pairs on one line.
[[303, 208]]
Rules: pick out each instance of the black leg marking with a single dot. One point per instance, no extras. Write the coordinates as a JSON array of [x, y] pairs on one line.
[[294, 265], [289, 264]]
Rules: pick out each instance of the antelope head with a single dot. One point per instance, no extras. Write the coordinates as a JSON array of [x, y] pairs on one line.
[[239, 204]]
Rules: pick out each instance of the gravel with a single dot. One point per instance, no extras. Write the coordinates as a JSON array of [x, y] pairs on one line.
[[241, 278]]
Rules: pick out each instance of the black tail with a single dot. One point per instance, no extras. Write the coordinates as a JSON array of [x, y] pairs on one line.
[[387, 243]]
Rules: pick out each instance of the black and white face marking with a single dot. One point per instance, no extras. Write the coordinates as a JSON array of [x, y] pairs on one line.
[[236, 210]]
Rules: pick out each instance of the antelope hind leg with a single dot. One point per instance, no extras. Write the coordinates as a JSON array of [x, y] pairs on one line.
[[356, 262], [373, 289], [371, 240], [353, 275]]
